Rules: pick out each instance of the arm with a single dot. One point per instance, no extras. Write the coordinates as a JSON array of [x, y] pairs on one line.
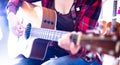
[[88, 17], [13, 5]]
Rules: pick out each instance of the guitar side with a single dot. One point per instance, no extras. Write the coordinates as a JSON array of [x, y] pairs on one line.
[[16, 46]]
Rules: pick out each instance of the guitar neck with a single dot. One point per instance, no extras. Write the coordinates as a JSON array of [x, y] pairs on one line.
[[54, 35], [47, 34], [100, 43]]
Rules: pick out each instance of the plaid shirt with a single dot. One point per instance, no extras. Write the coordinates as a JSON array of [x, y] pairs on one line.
[[84, 12]]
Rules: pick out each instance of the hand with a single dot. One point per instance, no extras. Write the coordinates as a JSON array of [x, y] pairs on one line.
[[15, 25], [67, 44]]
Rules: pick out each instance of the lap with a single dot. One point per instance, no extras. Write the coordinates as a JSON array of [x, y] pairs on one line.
[[67, 60], [28, 61], [51, 52]]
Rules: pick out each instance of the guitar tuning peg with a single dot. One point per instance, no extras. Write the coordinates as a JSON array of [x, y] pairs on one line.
[[90, 35], [117, 47], [102, 37], [99, 49], [88, 46], [111, 52], [114, 37]]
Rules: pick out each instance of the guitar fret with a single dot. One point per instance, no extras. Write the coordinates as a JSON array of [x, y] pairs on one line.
[[59, 35], [52, 35], [47, 34], [55, 35]]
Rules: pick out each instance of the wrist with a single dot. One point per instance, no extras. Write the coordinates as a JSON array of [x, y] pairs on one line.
[[76, 50], [10, 11], [11, 8], [10, 14]]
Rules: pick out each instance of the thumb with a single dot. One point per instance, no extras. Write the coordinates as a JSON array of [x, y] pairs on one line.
[[74, 48]]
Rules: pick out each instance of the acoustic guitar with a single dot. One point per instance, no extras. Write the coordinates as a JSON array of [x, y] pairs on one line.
[[39, 33]]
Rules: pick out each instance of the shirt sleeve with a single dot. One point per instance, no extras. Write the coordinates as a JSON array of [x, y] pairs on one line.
[[89, 14], [80, 53], [13, 5]]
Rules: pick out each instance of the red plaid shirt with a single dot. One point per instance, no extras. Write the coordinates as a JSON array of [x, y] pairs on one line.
[[84, 12]]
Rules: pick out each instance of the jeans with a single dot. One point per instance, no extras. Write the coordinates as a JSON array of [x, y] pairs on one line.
[[67, 60], [51, 52]]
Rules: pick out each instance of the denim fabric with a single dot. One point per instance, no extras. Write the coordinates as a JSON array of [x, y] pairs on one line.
[[67, 60], [50, 54]]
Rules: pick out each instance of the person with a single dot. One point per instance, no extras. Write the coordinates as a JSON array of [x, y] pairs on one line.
[[72, 15]]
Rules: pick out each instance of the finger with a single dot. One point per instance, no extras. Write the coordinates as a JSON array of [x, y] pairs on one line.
[[59, 42], [17, 30], [66, 35], [65, 47], [64, 38], [76, 37], [73, 32], [20, 33], [63, 43], [79, 38], [74, 48]]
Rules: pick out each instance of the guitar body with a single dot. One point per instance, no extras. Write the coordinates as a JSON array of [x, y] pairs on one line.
[[39, 17], [37, 49]]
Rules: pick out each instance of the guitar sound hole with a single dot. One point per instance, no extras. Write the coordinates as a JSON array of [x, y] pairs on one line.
[[27, 31], [88, 46], [99, 49], [111, 52]]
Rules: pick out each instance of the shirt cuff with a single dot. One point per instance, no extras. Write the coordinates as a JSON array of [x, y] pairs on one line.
[[80, 53], [11, 7]]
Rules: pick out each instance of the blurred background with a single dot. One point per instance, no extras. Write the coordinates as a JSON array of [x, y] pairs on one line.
[[105, 15], [3, 33]]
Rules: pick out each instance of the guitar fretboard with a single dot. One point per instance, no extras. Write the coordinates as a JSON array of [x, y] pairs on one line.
[[54, 35], [47, 33]]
